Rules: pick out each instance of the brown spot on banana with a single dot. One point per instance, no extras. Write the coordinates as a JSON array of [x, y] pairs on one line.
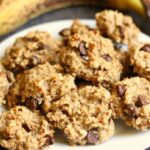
[[15, 13]]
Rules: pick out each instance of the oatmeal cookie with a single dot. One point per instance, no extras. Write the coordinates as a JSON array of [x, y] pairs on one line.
[[120, 28], [76, 27], [92, 57], [6, 79], [34, 48], [140, 59], [131, 102], [37, 87], [83, 115], [21, 129]]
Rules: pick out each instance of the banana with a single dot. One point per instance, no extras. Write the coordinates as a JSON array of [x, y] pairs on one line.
[[14, 13]]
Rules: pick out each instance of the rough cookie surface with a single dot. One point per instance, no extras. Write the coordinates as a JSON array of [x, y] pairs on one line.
[[92, 57], [76, 27], [83, 115], [6, 79], [140, 59], [131, 102], [117, 26], [37, 87], [21, 129], [34, 48]]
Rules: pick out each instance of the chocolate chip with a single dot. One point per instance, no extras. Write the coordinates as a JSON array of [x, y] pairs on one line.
[[49, 140], [34, 60], [107, 57], [121, 30], [65, 32], [65, 112], [25, 126], [81, 82], [32, 103], [83, 50], [40, 46], [121, 90], [131, 110], [92, 137], [110, 105], [120, 46], [141, 101], [145, 48], [106, 85], [18, 69]]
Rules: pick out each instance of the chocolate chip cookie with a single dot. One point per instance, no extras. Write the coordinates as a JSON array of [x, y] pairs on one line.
[[37, 87], [131, 102], [140, 59], [120, 28], [21, 129], [6, 79], [34, 48], [83, 115], [92, 57], [76, 27]]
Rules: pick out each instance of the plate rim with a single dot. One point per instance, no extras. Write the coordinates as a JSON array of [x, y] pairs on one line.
[[52, 22]]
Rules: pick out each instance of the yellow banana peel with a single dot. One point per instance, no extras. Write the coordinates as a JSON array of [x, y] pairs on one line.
[[14, 13]]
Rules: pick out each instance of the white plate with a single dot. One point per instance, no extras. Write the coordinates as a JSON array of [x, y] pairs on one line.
[[124, 137]]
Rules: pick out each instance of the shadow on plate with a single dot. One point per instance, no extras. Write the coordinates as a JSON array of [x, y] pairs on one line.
[[123, 130]]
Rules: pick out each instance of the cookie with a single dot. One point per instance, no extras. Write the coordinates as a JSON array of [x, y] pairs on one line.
[[6, 79], [83, 115], [34, 48], [37, 87], [91, 57], [21, 129], [120, 28], [76, 27], [140, 59], [131, 102]]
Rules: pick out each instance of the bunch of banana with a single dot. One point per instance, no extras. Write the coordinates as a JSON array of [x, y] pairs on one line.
[[14, 13]]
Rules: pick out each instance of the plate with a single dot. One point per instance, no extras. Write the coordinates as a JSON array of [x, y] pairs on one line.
[[124, 137]]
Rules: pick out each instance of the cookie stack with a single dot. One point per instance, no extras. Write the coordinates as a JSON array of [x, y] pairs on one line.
[[78, 84]]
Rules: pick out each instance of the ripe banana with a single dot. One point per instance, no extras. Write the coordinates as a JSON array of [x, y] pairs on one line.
[[14, 13]]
